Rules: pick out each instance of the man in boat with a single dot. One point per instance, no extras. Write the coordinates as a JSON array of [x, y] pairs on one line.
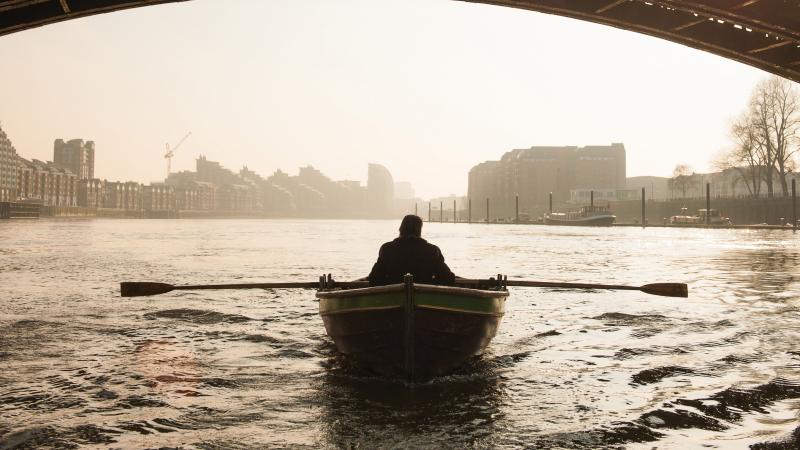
[[409, 253]]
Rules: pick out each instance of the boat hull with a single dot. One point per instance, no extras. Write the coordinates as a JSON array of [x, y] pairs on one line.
[[448, 326], [594, 221]]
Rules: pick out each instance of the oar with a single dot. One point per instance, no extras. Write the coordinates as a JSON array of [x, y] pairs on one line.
[[663, 289], [144, 288]]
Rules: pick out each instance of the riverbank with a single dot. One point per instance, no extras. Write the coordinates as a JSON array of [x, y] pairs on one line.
[[189, 215], [757, 226], [741, 211]]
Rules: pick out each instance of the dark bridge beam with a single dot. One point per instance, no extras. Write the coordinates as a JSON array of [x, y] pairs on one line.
[[761, 33], [18, 15]]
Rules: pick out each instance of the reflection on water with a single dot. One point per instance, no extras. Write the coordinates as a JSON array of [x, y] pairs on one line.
[[763, 274], [358, 408], [238, 369]]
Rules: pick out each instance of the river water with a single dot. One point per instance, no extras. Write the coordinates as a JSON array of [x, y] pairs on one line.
[[82, 367]]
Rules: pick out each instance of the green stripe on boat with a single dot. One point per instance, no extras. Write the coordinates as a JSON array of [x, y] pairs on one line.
[[494, 304]]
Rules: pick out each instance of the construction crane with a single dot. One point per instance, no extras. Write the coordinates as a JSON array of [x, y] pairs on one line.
[[171, 152]]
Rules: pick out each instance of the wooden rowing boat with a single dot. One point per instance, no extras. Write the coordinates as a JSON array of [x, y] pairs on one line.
[[416, 331]]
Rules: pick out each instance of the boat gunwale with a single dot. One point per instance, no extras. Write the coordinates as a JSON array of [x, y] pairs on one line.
[[429, 307], [438, 289]]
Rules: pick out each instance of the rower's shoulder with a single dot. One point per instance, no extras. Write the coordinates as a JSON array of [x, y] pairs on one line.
[[431, 247], [389, 246]]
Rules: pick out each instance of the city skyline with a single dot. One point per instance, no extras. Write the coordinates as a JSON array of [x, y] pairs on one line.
[[594, 170], [68, 184], [287, 84]]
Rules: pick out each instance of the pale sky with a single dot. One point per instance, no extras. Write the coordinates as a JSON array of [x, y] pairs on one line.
[[428, 88]]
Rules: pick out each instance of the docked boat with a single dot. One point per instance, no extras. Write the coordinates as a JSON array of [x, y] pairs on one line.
[[592, 216], [684, 218], [703, 217], [416, 331], [20, 210]]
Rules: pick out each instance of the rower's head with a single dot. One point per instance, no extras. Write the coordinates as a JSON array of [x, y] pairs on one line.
[[411, 226]]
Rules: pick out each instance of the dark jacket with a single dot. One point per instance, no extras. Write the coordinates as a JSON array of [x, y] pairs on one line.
[[410, 254]]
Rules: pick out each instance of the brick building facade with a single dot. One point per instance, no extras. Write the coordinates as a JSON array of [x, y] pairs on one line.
[[91, 193], [158, 197], [46, 182], [75, 155], [123, 195], [8, 169]]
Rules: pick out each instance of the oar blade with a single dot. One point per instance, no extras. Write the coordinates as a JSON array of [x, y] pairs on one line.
[[143, 288], [666, 289]]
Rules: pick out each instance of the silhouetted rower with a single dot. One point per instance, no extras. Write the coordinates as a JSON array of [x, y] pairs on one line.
[[409, 253]]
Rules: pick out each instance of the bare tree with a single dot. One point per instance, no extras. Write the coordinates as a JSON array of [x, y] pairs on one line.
[[786, 126], [760, 110], [682, 178], [747, 157], [775, 122]]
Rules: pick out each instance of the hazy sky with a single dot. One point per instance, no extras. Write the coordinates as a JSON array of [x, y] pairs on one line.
[[427, 88]]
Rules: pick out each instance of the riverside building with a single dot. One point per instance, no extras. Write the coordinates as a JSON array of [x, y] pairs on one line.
[[380, 190], [533, 173], [75, 155], [46, 182], [8, 169]]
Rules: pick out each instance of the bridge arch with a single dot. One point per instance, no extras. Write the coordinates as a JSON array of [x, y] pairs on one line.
[[761, 33]]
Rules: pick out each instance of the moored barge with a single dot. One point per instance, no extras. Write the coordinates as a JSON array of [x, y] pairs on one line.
[[588, 216]]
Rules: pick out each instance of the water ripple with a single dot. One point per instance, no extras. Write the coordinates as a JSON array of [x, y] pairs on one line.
[[243, 369]]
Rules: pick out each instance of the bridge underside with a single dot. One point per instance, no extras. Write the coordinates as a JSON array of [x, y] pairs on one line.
[[18, 15], [761, 33]]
